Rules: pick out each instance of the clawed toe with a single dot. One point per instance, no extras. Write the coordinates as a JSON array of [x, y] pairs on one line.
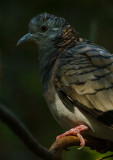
[[75, 132]]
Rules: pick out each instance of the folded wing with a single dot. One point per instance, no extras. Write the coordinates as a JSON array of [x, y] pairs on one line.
[[85, 77]]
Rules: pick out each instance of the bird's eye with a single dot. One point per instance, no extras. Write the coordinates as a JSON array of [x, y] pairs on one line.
[[43, 28]]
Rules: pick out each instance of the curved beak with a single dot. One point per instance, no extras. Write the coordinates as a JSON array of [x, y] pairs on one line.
[[25, 38]]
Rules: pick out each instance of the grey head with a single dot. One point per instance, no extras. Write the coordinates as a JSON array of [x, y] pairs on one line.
[[43, 28]]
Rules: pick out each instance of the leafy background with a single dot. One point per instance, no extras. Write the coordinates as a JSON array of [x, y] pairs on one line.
[[20, 87]]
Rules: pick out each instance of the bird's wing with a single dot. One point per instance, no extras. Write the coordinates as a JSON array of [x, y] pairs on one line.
[[84, 77]]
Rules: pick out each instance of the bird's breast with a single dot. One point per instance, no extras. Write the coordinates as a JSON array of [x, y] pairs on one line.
[[69, 119], [63, 116]]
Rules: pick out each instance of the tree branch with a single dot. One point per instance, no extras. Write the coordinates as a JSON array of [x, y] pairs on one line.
[[23, 133], [99, 145], [54, 153]]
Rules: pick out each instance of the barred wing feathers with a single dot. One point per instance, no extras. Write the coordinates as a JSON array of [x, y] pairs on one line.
[[85, 76]]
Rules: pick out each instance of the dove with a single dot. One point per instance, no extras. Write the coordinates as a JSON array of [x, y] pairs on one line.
[[76, 77]]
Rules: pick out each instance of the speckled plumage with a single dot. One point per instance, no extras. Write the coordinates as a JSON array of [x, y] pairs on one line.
[[76, 76]]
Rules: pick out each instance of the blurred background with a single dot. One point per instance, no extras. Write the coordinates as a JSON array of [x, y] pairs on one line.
[[20, 88]]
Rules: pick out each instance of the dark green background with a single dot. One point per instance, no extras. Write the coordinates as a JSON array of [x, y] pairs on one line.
[[20, 87]]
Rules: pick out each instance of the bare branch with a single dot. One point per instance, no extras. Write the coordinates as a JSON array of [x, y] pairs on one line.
[[58, 146], [23, 133], [99, 145]]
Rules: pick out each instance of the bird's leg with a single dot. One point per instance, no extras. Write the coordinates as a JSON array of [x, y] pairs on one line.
[[75, 132]]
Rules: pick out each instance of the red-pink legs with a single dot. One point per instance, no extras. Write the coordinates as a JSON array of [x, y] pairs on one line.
[[75, 132]]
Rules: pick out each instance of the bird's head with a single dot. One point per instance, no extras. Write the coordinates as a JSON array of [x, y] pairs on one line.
[[42, 28], [45, 28]]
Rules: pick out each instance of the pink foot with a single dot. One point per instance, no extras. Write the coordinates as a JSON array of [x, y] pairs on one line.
[[75, 132]]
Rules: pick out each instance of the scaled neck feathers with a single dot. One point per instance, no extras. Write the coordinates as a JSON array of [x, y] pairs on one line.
[[50, 52], [68, 37]]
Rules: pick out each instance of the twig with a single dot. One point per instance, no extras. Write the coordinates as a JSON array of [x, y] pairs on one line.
[[99, 145], [58, 146], [23, 133]]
